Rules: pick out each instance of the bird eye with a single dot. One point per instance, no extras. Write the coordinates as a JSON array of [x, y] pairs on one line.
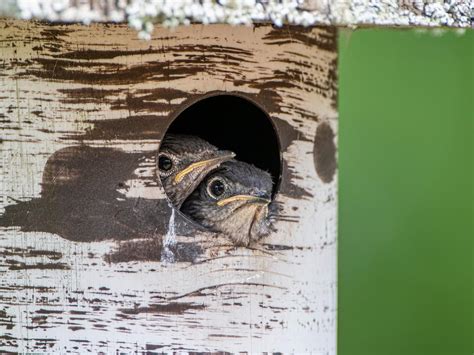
[[165, 163], [216, 188]]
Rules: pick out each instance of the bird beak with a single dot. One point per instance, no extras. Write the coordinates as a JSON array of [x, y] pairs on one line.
[[203, 165], [246, 198]]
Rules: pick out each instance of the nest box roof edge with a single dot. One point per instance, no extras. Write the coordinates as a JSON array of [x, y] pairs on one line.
[[143, 14]]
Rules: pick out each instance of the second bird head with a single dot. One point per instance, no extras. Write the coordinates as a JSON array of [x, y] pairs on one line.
[[234, 200]]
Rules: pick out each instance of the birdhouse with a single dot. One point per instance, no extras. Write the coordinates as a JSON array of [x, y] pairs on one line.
[[96, 255]]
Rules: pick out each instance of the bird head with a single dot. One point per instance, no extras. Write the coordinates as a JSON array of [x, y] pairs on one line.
[[234, 200], [184, 161]]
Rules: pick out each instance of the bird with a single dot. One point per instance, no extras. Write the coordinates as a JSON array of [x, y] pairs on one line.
[[235, 200], [184, 161]]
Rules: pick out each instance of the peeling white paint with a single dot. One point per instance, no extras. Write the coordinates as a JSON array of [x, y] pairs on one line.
[[169, 240]]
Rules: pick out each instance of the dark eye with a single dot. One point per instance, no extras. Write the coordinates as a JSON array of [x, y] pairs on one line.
[[165, 163], [216, 188]]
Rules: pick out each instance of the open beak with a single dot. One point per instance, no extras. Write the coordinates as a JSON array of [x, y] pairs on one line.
[[246, 198], [203, 165]]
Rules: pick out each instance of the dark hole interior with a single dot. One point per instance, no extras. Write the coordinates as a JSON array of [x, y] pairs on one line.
[[234, 123]]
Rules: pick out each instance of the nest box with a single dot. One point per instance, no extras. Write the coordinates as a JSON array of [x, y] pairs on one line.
[[84, 216]]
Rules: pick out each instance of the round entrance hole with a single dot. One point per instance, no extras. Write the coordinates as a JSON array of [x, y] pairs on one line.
[[233, 123]]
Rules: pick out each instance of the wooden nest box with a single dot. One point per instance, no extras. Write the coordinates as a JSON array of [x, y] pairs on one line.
[[85, 216]]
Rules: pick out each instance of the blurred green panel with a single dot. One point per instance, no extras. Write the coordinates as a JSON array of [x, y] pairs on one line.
[[406, 193]]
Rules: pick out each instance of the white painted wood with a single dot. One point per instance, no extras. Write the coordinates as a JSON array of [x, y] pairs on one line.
[[60, 295]]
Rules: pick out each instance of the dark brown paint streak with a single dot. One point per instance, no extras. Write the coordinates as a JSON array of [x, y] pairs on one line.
[[325, 40], [148, 100], [16, 265], [111, 73], [232, 53], [144, 127], [333, 83], [324, 153], [169, 308], [88, 94], [79, 199], [28, 253]]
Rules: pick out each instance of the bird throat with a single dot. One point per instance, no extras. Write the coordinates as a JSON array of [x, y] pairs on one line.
[[242, 226]]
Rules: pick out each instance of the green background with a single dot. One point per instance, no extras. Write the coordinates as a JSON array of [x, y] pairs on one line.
[[406, 193]]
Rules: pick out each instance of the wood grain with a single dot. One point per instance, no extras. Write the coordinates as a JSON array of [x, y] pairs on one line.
[[83, 216]]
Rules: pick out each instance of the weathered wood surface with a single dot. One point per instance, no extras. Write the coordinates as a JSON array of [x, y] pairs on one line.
[[82, 112]]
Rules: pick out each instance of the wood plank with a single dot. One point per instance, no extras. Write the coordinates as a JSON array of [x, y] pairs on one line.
[[83, 215]]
